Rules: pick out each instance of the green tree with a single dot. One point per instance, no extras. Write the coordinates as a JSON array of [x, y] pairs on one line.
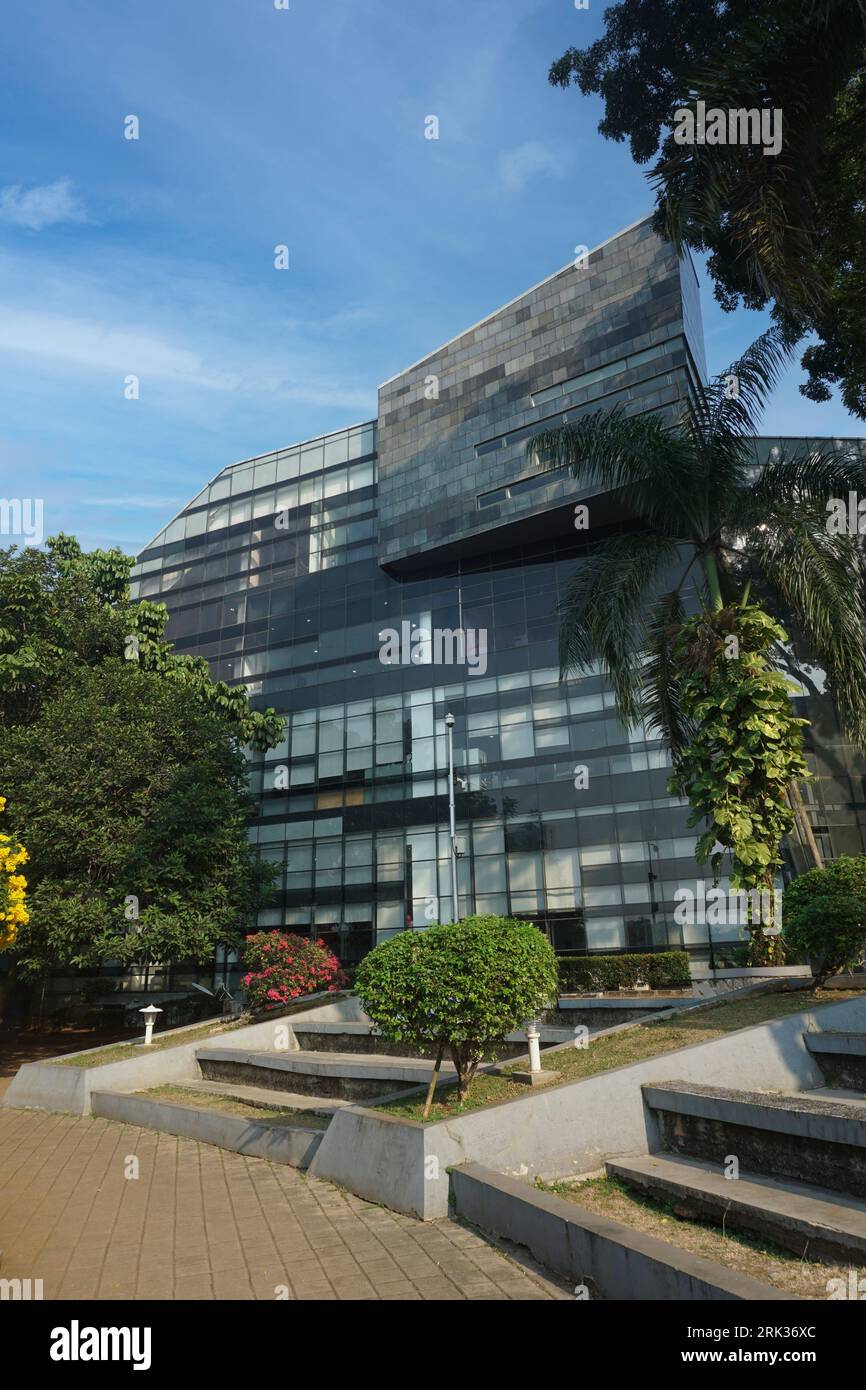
[[825, 915], [785, 229], [458, 987], [135, 801], [709, 528], [62, 609], [126, 776]]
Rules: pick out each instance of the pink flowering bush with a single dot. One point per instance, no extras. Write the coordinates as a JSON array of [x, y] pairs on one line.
[[282, 967]]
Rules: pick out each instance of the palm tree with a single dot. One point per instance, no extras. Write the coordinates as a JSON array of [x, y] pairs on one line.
[[706, 517]]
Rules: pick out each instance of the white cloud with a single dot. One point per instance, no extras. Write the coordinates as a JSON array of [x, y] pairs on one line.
[[41, 206], [523, 163], [100, 345], [95, 345]]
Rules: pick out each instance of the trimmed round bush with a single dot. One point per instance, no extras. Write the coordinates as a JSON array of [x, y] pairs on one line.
[[824, 915], [281, 967], [459, 987]]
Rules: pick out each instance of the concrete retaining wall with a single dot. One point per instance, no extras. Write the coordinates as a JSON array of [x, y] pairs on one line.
[[709, 983], [47, 1086], [383, 1159], [52, 1086], [565, 1130], [598, 1014], [279, 1144], [585, 1248], [753, 972]]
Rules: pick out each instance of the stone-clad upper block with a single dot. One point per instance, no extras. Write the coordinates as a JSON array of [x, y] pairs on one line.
[[630, 309]]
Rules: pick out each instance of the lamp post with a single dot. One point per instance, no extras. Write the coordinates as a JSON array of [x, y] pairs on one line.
[[449, 725], [655, 878], [532, 1037], [150, 1014]]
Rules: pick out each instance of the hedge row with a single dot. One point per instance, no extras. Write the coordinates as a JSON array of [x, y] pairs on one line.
[[659, 970]]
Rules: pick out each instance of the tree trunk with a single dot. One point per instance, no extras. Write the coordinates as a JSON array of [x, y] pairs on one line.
[[804, 825], [7, 984], [711, 571], [764, 948], [465, 1068], [433, 1079], [820, 973]]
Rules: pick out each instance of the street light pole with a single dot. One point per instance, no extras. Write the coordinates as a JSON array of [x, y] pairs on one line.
[[653, 879], [452, 824]]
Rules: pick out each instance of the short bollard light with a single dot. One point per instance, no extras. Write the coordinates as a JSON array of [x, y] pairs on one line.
[[150, 1014], [532, 1037], [535, 1076]]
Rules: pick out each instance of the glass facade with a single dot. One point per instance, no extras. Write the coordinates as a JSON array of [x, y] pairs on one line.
[[274, 574]]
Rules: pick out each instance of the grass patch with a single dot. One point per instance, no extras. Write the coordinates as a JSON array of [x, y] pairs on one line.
[[737, 1251], [650, 1039], [231, 1105], [122, 1052]]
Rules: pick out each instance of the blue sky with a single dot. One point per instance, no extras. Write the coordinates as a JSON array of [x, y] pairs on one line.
[[260, 127]]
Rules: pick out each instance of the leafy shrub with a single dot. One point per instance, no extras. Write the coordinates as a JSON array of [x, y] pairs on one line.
[[824, 915], [459, 987], [659, 970], [281, 967]]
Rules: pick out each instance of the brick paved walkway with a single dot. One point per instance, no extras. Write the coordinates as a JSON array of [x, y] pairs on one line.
[[202, 1223]]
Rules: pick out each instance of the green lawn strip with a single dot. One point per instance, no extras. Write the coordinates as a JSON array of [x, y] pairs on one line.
[[650, 1039], [747, 1254], [232, 1105]]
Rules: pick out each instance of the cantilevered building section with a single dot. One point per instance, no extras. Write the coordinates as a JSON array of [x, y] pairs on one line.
[[324, 575]]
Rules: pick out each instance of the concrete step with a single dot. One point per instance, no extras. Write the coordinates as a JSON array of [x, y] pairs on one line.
[[841, 1058], [265, 1099], [848, 1097], [819, 1140], [348, 1076], [358, 1037], [811, 1221]]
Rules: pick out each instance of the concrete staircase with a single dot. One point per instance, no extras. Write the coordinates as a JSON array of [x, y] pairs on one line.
[[273, 1103], [277, 1103], [347, 1076], [802, 1156], [335, 1063]]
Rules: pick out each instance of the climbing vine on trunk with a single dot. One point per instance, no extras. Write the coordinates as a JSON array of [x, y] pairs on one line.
[[745, 750]]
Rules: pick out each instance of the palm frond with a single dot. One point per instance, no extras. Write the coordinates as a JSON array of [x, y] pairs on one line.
[[829, 469], [819, 577], [645, 455], [729, 409], [660, 675], [602, 612]]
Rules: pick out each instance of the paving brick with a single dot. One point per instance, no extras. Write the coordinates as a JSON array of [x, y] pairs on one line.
[[210, 1224]]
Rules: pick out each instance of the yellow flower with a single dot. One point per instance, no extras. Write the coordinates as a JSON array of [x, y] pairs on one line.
[[13, 913]]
